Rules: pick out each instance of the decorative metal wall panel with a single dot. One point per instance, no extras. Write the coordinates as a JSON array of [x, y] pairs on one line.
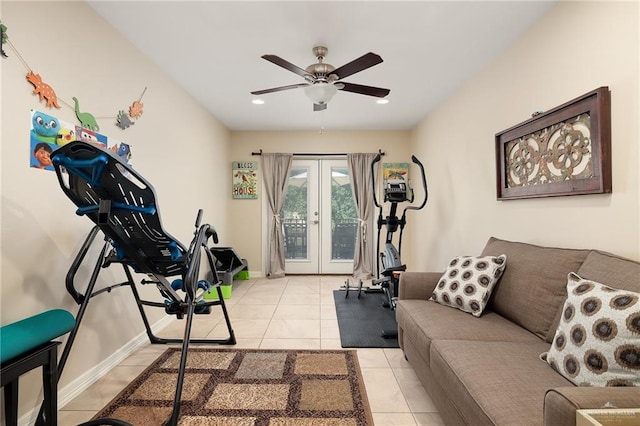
[[565, 151]]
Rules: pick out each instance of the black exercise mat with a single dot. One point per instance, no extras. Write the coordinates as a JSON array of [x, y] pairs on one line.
[[362, 320]]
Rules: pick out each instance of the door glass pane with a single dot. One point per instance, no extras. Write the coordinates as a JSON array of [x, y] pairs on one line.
[[294, 214], [344, 217]]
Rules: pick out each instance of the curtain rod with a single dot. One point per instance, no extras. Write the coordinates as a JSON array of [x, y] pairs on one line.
[[311, 154]]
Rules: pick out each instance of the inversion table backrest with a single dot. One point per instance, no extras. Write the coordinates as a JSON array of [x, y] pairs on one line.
[[122, 203]]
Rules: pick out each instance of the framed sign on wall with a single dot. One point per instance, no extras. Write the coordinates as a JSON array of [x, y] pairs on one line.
[[245, 180], [564, 151]]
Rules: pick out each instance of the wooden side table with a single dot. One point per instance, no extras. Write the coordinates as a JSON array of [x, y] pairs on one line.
[[608, 417]]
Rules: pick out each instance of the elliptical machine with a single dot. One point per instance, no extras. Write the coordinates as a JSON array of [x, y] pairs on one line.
[[389, 260]]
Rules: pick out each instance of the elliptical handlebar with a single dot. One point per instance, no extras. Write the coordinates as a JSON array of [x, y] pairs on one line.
[[415, 160], [373, 180]]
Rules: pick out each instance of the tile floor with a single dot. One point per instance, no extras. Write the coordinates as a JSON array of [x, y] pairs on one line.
[[295, 312]]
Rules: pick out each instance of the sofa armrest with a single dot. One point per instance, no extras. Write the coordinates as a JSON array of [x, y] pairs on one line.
[[560, 404], [417, 285]]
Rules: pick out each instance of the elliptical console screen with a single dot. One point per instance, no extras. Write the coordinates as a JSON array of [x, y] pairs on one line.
[[395, 192]]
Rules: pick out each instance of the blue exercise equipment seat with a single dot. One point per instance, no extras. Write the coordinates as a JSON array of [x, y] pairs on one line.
[[124, 208], [28, 344]]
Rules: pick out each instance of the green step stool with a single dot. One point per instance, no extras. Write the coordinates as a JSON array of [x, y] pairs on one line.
[[28, 344]]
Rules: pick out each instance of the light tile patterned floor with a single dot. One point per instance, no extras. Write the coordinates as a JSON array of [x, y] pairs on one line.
[[295, 312]]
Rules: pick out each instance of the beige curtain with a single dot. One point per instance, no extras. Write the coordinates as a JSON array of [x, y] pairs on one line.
[[360, 172], [275, 172]]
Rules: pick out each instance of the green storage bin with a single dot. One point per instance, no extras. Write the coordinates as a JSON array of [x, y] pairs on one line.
[[228, 265], [213, 293], [242, 275]]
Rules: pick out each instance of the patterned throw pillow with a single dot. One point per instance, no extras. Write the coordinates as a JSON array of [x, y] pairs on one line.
[[468, 281], [597, 342]]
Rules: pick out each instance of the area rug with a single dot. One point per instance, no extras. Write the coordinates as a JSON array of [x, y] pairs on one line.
[[361, 320], [242, 387]]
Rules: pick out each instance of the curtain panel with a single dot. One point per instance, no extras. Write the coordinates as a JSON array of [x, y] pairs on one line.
[[275, 171], [361, 184]]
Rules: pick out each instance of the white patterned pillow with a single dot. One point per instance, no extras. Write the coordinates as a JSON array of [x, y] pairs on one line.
[[597, 342], [468, 281]]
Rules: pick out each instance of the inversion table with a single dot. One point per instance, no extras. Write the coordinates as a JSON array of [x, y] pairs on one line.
[[123, 207]]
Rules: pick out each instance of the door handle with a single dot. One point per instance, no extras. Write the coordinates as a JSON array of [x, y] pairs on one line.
[[315, 222]]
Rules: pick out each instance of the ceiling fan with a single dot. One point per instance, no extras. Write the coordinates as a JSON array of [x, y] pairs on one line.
[[324, 80]]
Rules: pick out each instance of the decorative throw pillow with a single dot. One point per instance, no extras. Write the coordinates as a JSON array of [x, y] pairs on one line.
[[468, 281], [597, 342]]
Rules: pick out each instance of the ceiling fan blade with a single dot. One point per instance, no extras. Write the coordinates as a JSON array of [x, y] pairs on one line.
[[319, 107], [378, 92], [278, 89], [362, 63], [286, 65]]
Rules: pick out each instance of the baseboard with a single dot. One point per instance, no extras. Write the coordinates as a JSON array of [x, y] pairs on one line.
[[80, 384], [77, 386]]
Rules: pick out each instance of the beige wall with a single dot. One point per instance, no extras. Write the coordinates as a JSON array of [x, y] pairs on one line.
[[186, 153], [576, 48], [177, 146], [246, 229]]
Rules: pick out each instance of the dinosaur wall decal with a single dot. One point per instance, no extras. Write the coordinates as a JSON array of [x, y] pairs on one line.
[[123, 121], [43, 90], [87, 120]]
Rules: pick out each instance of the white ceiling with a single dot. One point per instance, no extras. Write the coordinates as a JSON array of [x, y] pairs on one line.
[[213, 49]]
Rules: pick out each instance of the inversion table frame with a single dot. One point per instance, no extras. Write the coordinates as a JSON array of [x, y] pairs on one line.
[[123, 207]]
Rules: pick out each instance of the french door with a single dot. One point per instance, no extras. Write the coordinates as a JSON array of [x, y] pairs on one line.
[[319, 218]]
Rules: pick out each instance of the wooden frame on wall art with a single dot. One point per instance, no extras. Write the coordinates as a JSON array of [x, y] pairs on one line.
[[564, 151]]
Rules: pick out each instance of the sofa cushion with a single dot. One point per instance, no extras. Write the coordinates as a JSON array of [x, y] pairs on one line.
[[533, 286], [423, 321], [468, 281], [598, 339], [494, 383], [610, 269]]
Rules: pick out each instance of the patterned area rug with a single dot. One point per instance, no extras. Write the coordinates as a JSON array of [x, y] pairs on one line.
[[243, 387]]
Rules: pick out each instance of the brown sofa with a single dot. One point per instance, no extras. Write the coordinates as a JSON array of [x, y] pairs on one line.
[[487, 370]]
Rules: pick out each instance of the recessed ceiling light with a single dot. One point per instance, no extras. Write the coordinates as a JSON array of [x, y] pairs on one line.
[[257, 101], [382, 101]]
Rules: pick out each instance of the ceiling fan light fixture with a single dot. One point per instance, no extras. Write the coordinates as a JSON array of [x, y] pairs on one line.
[[323, 80], [382, 101], [257, 102], [320, 92]]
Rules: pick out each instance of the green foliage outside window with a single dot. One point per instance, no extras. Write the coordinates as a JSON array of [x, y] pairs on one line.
[[295, 204], [343, 207]]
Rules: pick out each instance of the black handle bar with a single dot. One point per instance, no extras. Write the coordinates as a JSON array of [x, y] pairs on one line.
[[373, 179], [424, 185], [71, 274], [424, 202]]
